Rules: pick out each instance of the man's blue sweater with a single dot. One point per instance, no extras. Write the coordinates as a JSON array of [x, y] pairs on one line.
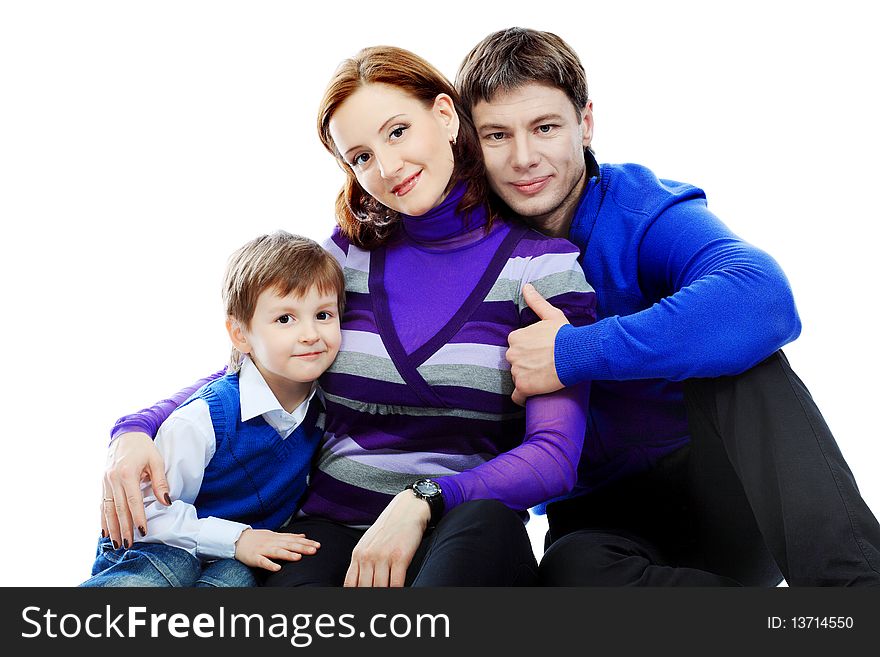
[[679, 296]]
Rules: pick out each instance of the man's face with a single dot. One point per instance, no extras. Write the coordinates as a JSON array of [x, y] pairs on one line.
[[533, 142]]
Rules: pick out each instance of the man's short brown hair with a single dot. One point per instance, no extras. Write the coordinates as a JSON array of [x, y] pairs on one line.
[[511, 58]]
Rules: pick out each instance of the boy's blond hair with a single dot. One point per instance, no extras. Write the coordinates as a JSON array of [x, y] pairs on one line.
[[287, 262]]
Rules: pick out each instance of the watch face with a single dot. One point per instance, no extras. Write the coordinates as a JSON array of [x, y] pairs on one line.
[[426, 488]]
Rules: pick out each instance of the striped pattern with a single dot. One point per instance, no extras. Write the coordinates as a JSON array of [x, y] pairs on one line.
[[455, 413]]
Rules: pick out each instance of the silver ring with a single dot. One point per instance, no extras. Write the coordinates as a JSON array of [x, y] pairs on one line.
[[108, 499]]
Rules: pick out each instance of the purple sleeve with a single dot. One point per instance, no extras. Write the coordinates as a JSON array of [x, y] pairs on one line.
[[148, 420], [544, 466]]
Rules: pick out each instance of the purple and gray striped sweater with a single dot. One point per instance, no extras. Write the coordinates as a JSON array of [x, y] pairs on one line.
[[417, 392]]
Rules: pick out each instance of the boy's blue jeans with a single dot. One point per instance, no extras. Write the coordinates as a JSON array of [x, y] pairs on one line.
[[157, 564]]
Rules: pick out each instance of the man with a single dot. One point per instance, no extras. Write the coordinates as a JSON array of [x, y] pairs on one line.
[[706, 460]]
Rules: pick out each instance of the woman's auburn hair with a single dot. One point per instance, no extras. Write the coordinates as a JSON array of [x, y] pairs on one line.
[[366, 222]]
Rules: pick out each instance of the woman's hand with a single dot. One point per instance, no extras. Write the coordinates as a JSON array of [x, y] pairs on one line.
[[385, 551], [131, 459], [257, 548]]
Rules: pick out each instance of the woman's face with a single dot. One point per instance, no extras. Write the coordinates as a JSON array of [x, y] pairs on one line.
[[398, 149]]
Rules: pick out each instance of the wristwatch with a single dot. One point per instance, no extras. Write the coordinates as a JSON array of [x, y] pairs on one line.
[[429, 490]]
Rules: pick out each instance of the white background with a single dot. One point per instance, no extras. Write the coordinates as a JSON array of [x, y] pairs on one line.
[[141, 143]]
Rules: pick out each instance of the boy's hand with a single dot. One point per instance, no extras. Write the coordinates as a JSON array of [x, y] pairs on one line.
[[256, 548]]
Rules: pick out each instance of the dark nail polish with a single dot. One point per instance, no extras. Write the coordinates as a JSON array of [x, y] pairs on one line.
[[168, 499], [142, 531], [115, 545], [125, 543], [103, 534]]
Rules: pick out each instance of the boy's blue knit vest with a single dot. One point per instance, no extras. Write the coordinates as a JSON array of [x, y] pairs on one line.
[[255, 476]]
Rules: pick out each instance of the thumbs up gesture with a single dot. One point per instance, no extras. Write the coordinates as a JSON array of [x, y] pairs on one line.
[[531, 349]]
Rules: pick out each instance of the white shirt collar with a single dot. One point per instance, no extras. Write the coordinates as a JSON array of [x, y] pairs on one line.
[[258, 399]]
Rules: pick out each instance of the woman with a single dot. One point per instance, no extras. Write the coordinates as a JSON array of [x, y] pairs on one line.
[[418, 401]]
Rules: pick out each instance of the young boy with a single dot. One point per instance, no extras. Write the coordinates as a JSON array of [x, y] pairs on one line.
[[238, 452]]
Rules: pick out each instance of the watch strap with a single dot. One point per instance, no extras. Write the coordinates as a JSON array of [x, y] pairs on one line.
[[435, 502]]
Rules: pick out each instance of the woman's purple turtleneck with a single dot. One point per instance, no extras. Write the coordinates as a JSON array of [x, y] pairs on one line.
[[418, 262]]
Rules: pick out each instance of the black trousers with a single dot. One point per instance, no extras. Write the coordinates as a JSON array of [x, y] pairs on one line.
[[761, 493], [479, 543]]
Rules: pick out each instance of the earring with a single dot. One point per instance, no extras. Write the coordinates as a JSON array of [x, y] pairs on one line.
[[452, 138]]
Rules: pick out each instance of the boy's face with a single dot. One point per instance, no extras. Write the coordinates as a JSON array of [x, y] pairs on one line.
[[291, 339], [533, 142]]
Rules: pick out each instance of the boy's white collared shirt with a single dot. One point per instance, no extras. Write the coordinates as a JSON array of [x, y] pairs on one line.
[[258, 399], [186, 441]]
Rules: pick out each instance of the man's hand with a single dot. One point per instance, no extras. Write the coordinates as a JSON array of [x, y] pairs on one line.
[[531, 349], [257, 548], [385, 551], [131, 459]]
